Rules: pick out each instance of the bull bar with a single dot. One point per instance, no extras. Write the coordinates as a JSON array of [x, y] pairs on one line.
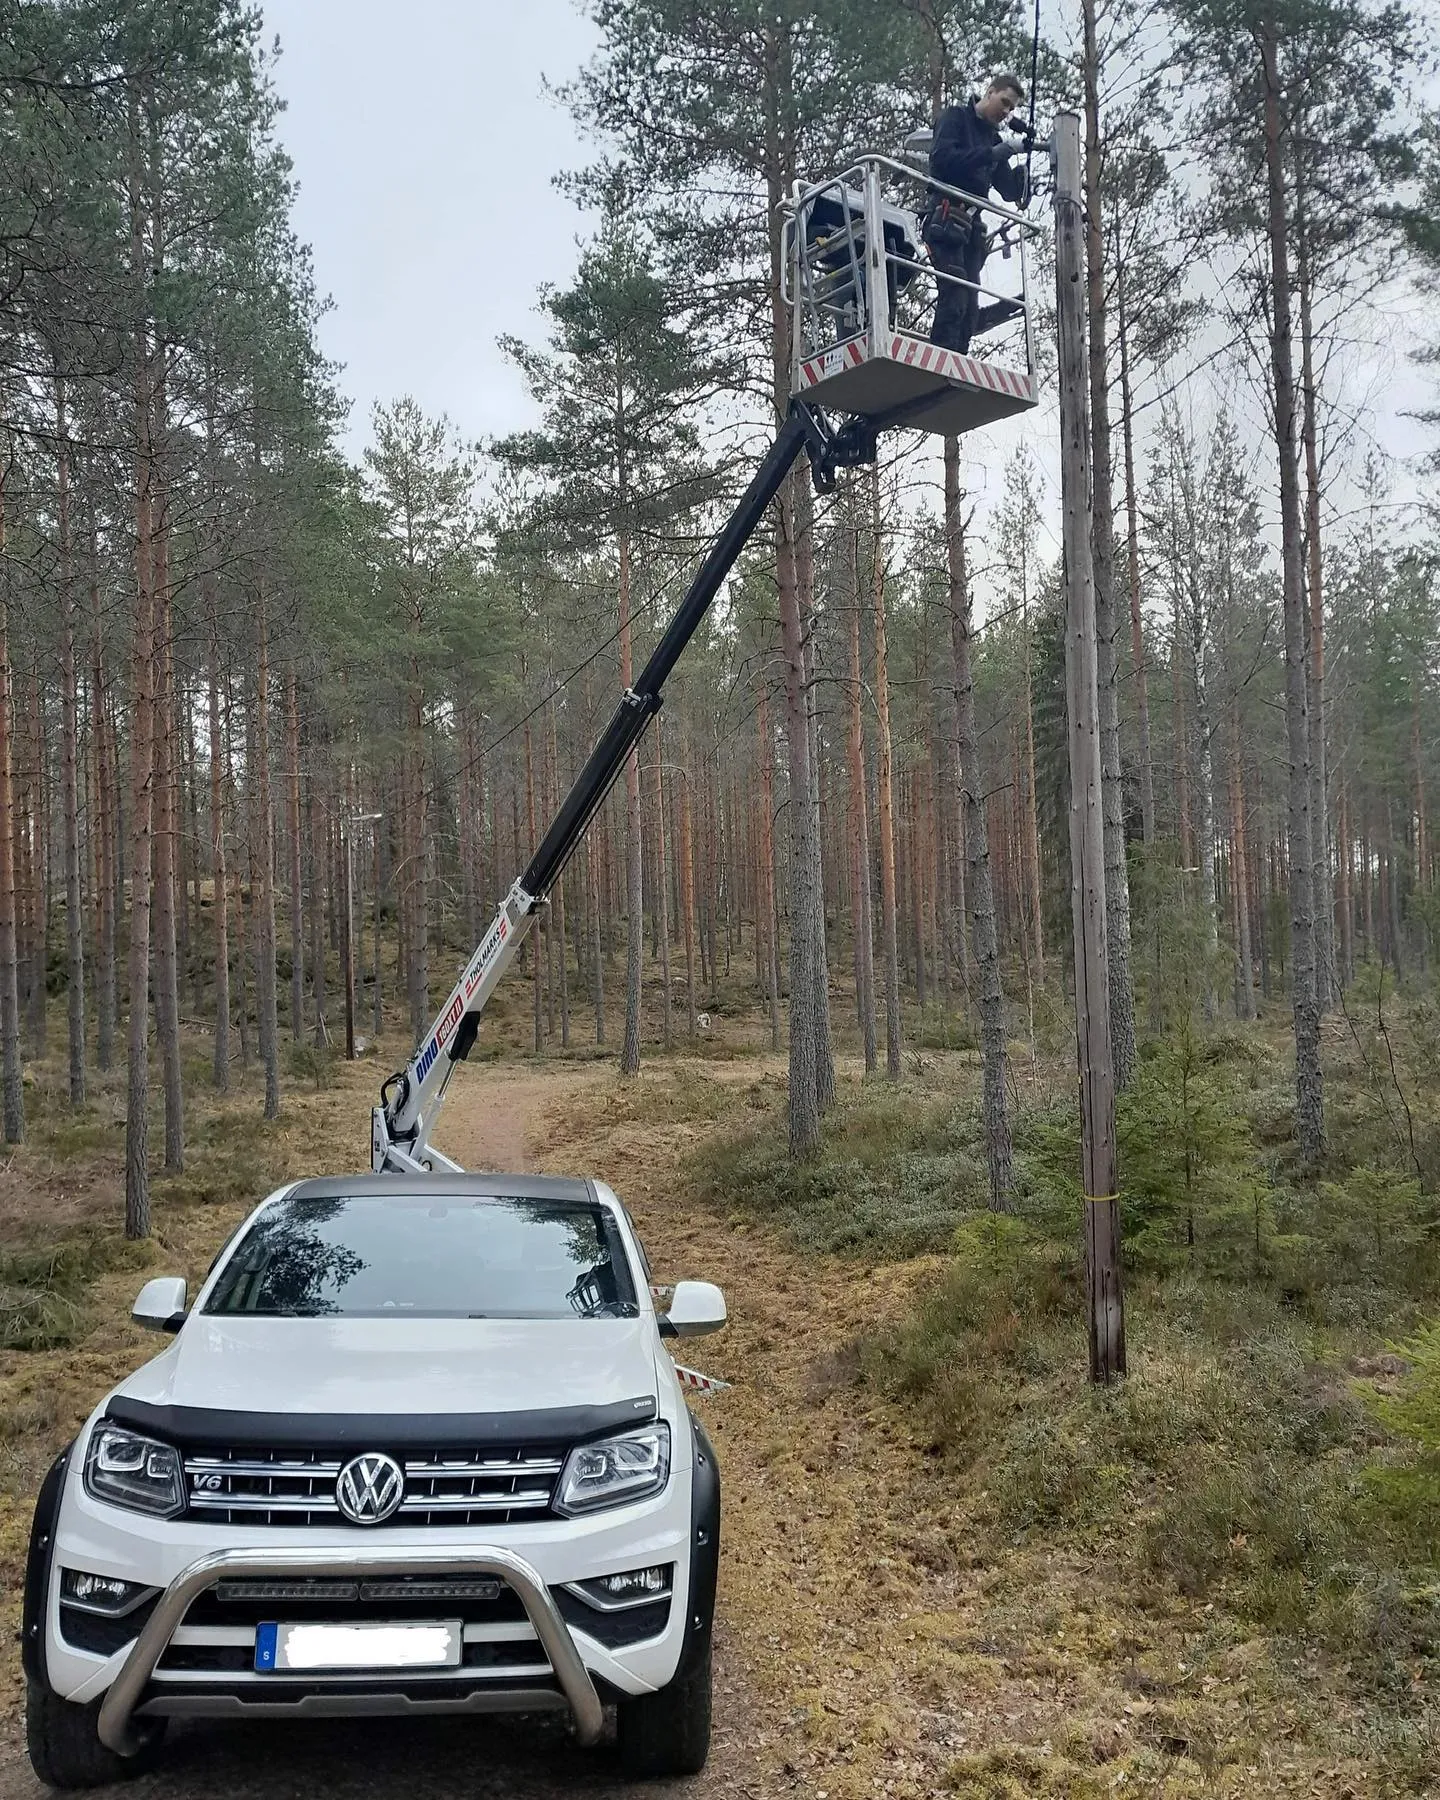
[[117, 1710]]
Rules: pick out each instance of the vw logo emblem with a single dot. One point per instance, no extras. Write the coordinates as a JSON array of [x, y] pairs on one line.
[[369, 1488]]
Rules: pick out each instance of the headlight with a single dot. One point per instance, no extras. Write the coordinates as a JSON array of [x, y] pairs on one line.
[[616, 1470], [134, 1472]]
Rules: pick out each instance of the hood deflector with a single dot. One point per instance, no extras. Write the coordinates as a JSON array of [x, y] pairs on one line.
[[195, 1425]]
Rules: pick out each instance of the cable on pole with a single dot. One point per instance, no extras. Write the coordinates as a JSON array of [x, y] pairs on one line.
[[1034, 82]]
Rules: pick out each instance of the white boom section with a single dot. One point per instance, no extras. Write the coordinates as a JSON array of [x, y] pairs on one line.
[[400, 1142]]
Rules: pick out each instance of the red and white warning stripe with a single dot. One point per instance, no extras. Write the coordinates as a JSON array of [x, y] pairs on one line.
[[917, 354], [700, 1384], [834, 361]]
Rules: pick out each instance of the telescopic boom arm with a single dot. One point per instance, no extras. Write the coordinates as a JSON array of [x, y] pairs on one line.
[[410, 1101]]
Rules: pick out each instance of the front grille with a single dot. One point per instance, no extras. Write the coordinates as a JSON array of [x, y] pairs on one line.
[[442, 1487]]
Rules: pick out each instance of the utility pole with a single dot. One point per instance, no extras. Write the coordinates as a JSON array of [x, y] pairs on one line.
[[347, 926], [1105, 1302]]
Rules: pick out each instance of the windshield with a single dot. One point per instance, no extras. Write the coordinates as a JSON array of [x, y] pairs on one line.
[[382, 1256]]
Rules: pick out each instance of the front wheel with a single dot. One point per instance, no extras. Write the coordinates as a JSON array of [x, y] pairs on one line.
[[667, 1733], [64, 1744]]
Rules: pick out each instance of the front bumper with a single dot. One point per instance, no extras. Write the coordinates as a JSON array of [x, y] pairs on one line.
[[544, 1657], [126, 1691]]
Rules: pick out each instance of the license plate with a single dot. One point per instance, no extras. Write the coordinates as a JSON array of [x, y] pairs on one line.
[[371, 1644]]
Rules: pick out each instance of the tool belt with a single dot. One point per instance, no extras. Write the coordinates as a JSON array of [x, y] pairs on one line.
[[947, 222]]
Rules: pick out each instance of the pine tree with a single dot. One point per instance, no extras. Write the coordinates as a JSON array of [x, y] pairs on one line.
[[620, 461]]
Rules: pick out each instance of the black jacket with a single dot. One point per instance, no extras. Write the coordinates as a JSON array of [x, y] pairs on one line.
[[968, 153]]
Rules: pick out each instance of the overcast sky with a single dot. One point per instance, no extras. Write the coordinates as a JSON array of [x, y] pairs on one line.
[[426, 147]]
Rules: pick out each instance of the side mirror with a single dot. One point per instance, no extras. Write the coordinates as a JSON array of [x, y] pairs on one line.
[[160, 1305], [695, 1308]]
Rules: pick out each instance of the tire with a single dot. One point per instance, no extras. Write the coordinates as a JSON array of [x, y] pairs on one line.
[[667, 1733], [65, 1748]]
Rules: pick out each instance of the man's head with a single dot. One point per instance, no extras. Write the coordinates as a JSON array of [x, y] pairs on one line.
[[1003, 96]]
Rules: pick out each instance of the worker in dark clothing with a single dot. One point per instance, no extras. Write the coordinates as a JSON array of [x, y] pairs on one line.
[[969, 153]]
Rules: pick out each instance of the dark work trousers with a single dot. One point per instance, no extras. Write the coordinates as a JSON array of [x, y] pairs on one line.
[[956, 307]]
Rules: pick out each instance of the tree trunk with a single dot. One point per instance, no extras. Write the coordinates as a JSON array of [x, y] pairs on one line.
[[414, 879], [557, 899], [220, 876], [767, 860], [1088, 887], [377, 996], [804, 1074], [466, 809], [1347, 900], [103, 828], [297, 877], [242, 909], [1324, 902], [533, 941], [662, 886], [1102, 540], [1309, 1090], [597, 952], [980, 893], [166, 974], [1032, 815], [634, 861], [1205, 765], [862, 900], [187, 847], [265, 982], [37, 885], [805, 583], [804, 1091], [1181, 717], [11, 1066], [1132, 556], [137, 1116], [69, 765], [687, 895], [1245, 986], [885, 790]]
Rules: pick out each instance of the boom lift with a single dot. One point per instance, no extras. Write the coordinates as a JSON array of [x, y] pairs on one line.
[[860, 295]]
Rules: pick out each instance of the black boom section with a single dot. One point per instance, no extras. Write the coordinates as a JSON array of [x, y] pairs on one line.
[[639, 706]]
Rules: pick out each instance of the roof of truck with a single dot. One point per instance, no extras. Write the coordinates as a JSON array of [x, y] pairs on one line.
[[485, 1185]]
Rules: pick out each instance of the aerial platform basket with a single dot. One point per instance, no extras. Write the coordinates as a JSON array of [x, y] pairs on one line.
[[863, 289]]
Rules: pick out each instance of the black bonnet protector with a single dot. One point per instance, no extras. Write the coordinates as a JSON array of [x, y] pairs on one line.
[[185, 1426]]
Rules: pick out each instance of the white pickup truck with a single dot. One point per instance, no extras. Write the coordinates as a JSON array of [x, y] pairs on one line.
[[417, 1447]]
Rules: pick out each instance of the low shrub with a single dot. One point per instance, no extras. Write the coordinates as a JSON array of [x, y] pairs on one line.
[[892, 1179], [42, 1290]]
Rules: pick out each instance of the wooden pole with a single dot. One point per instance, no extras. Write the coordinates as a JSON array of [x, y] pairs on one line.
[[347, 940], [1105, 1303]]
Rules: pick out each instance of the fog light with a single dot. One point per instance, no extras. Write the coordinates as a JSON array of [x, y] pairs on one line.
[[635, 1587], [106, 1594], [635, 1581]]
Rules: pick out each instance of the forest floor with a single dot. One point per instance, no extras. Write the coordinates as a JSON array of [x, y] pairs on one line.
[[876, 1638]]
